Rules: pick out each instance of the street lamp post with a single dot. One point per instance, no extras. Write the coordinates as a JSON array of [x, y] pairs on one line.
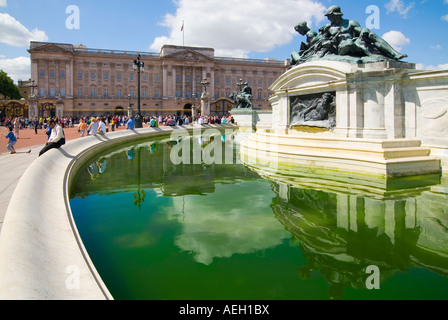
[[193, 108], [139, 66]]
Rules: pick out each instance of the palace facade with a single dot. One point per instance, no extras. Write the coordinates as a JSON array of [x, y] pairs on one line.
[[73, 80]]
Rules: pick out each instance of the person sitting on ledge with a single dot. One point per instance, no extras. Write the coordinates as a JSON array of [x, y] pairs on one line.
[[57, 138], [12, 140], [130, 124]]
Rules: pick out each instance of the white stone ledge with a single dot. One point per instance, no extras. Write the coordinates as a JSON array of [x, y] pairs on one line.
[[41, 254]]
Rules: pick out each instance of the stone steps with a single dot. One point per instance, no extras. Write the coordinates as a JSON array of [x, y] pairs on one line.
[[391, 158]]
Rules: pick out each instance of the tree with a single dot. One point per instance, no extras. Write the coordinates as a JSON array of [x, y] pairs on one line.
[[8, 88]]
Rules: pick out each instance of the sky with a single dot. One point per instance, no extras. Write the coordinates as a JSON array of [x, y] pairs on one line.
[[255, 29]]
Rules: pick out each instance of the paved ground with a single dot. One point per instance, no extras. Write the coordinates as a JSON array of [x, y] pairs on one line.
[[13, 166]]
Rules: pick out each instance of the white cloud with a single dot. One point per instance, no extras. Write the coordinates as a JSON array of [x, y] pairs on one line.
[[235, 28], [445, 18], [12, 32], [399, 6], [421, 66], [17, 68], [437, 47], [3, 3], [208, 233], [396, 39]]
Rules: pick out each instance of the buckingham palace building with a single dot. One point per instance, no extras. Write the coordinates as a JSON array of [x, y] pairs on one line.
[[73, 80]]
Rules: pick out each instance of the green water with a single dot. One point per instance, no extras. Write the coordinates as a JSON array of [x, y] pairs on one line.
[[156, 230]]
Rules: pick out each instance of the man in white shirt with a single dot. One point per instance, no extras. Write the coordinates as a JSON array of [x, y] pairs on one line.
[[57, 138], [101, 127]]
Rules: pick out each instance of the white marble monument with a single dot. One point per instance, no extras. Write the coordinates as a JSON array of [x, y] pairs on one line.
[[389, 119]]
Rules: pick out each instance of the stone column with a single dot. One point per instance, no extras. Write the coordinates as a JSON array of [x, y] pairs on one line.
[[59, 108], [394, 108], [212, 84], [165, 81], [32, 107], [193, 80], [342, 114], [184, 81], [57, 77], [374, 113], [280, 112]]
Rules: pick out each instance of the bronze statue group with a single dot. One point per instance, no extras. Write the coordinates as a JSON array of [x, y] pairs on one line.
[[342, 38]]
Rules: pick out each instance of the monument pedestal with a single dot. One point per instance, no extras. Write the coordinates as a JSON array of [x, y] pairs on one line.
[[252, 119], [386, 119], [308, 152], [245, 119]]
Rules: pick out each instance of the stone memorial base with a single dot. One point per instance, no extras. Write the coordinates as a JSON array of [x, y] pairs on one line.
[[386, 118], [306, 151], [252, 119]]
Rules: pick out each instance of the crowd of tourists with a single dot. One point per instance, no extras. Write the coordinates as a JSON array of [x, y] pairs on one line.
[[88, 125], [111, 122]]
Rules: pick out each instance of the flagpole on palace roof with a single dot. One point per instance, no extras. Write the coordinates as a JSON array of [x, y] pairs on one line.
[[183, 32]]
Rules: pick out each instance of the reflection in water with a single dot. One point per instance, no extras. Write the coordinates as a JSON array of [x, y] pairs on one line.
[[96, 168], [217, 227], [342, 227], [220, 231], [343, 234]]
